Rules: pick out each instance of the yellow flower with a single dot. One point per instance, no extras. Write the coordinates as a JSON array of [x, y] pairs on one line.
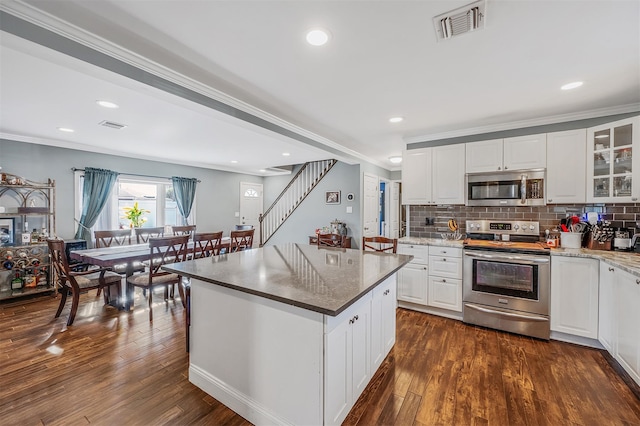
[[134, 214]]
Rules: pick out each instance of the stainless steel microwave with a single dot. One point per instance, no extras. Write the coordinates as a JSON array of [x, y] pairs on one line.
[[517, 188]]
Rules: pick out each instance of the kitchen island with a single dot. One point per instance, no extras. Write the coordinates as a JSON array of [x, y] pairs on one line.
[[290, 334]]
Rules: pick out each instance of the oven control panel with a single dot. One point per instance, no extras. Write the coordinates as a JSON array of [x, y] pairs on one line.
[[522, 227]]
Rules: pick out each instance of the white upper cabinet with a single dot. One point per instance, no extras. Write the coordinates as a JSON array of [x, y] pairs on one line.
[[448, 174], [416, 176], [433, 175], [485, 156], [496, 155], [525, 152], [613, 165], [567, 166]]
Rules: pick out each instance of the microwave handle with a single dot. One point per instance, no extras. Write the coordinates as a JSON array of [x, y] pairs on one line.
[[523, 189]]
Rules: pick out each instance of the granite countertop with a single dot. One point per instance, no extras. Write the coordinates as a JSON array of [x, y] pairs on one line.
[[324, 280], [431, 242], [626, 261]]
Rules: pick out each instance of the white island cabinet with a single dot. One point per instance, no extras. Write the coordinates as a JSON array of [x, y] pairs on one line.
[[290, 334]]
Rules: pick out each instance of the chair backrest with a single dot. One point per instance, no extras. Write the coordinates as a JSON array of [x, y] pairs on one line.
[[60, 263], [184, 230], [241, 240], [330, 240], [206, 244], [243, 227], [114, 237], [143, 234], [165, 250], [380, 244]]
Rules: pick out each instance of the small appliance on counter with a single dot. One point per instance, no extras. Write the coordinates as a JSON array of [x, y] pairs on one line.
[[622, 241]]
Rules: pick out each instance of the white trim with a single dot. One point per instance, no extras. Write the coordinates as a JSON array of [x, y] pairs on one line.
[[79, 35], [235, 400], [602, 112]]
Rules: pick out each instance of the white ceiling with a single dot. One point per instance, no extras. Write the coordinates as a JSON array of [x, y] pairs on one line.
[[382, 60]]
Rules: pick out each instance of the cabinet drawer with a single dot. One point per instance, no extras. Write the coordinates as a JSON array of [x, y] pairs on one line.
[[444, 266], [420, 253], [445, 251], [445, 293], [332, 322]]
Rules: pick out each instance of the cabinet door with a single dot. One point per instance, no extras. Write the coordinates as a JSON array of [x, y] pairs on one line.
[[416, 176], [627, 319], [485, 156], [383, 321], [525, 152], [412, 284], [574, 296], [360, 350], [448, 174], [606, 308], [445, 293], [567, 166], [612, 162], [338, 378]]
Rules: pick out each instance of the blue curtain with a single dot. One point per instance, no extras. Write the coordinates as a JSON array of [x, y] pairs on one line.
[[185, 192], [95, 193]]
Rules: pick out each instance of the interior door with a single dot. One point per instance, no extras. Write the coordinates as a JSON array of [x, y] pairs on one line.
[[251, 206], [370, 206]]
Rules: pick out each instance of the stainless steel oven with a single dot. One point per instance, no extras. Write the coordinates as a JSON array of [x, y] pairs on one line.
[[506, 285]]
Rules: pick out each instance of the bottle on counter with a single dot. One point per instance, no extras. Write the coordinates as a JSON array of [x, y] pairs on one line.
[[16, 282]]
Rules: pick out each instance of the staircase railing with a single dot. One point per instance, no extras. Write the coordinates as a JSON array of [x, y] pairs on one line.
[[291, 196]]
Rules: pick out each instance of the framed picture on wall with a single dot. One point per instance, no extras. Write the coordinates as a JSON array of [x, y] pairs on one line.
[[7, 229], [332, 197]]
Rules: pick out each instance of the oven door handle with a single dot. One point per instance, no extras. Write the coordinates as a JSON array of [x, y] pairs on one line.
[[506, 314], [530, 260]]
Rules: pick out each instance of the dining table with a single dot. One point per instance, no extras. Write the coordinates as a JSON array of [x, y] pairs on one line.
[[129, 255]]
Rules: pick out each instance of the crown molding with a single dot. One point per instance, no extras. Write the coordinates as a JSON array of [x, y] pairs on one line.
[[584, 115], [65, 29]]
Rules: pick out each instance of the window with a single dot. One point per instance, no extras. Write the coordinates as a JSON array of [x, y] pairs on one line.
[[154, 195]]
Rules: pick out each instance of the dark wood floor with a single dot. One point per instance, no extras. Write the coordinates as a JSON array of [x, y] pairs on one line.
[[114, 367]]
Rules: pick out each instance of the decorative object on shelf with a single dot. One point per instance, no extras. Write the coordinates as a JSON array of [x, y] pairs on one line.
[[134, 214], [7, 231], [332, 197]]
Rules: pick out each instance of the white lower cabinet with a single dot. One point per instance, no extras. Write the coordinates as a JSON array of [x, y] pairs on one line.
[[347, 360], [356, 343], [413, 278], [445, 278], [574, 296], [606, 308], [626, 320], [383, 321]]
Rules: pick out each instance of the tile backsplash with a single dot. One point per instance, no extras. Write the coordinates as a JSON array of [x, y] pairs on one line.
[[620, 215]]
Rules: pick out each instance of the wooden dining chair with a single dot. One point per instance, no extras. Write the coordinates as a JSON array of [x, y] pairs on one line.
[[76, 282], [114, 237], [330, 240], [241, 240], [380, 244], [143, 234], [184, 230], [163, 251]]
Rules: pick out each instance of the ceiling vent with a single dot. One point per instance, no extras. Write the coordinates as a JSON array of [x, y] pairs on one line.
[[459, 21], [112, 125]]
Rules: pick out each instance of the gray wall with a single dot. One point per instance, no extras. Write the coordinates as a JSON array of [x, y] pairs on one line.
[[313, 212], [217, 194]]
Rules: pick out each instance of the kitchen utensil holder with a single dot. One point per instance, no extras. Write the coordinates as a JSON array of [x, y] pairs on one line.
[[598, 245]]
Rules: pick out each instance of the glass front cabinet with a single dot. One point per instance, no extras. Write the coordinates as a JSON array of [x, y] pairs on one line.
[[613, 162]]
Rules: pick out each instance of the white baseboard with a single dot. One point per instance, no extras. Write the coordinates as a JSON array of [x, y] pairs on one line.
[[578, 340], [431, 310], [236, 401]]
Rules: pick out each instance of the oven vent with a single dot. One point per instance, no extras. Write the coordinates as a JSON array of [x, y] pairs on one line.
[[460, 21], [112, 124]]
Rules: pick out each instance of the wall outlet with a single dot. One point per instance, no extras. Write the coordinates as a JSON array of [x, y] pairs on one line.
[[237, 214], [349, 209]]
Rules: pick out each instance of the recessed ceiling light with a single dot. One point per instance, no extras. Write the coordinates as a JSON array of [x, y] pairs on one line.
[[317, 37], [107, 104], [66, 129], [285, 154], [234, 161], [573, 85], [395, 119], [396, 159]]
